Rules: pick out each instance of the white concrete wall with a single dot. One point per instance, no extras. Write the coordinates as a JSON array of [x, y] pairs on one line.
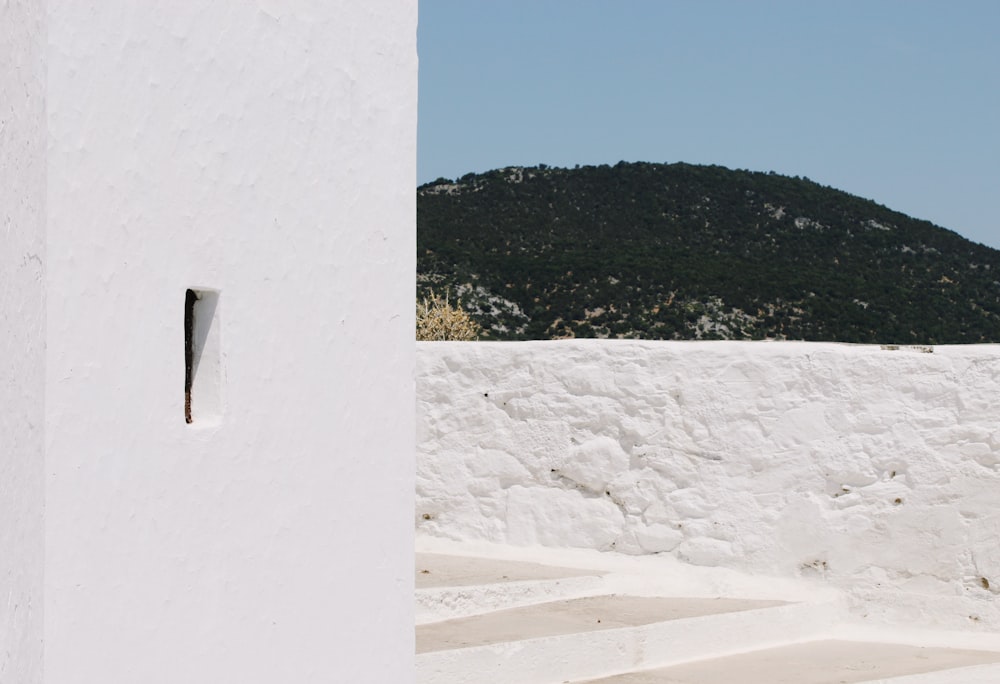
[[22, 338], [874, 469], [266, 150]]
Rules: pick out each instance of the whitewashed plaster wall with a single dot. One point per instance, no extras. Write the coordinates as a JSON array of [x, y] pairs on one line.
[[873, 469], [22, 338], [265, 150]]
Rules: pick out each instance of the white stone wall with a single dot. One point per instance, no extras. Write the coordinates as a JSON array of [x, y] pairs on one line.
[[874, 469], [22, 338], [265, 150]]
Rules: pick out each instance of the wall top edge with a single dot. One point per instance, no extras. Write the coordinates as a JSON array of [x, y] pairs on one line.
[[755, 346]]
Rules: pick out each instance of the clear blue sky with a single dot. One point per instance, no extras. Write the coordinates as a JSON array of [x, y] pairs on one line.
[[894, 100]]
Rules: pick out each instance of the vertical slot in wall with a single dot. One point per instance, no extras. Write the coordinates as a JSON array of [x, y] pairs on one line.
[[202, 357]]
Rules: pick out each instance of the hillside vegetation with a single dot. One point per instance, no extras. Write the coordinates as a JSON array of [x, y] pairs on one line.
[[677, 251]]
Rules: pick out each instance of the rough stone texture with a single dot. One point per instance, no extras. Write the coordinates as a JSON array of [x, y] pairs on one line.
[[875, 469], [22, 338]]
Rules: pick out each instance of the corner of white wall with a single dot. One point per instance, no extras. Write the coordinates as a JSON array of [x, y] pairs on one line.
[[22, 339]]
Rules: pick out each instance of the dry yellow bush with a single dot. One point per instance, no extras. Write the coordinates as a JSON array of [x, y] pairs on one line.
[[437, 319]]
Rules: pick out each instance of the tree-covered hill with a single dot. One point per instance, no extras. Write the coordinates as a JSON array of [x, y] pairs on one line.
[[676, 251]]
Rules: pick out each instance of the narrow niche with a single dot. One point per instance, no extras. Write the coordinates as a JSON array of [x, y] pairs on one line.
[[202, 357]]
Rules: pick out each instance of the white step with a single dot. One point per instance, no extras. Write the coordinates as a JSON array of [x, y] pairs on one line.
[[577, 639], [450, 586], [830, 662], [503, 615]]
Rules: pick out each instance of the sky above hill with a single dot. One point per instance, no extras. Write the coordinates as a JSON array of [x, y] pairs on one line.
[[893, 100]]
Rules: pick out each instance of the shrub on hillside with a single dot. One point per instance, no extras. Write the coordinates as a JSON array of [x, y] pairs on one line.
[[437, 319]]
